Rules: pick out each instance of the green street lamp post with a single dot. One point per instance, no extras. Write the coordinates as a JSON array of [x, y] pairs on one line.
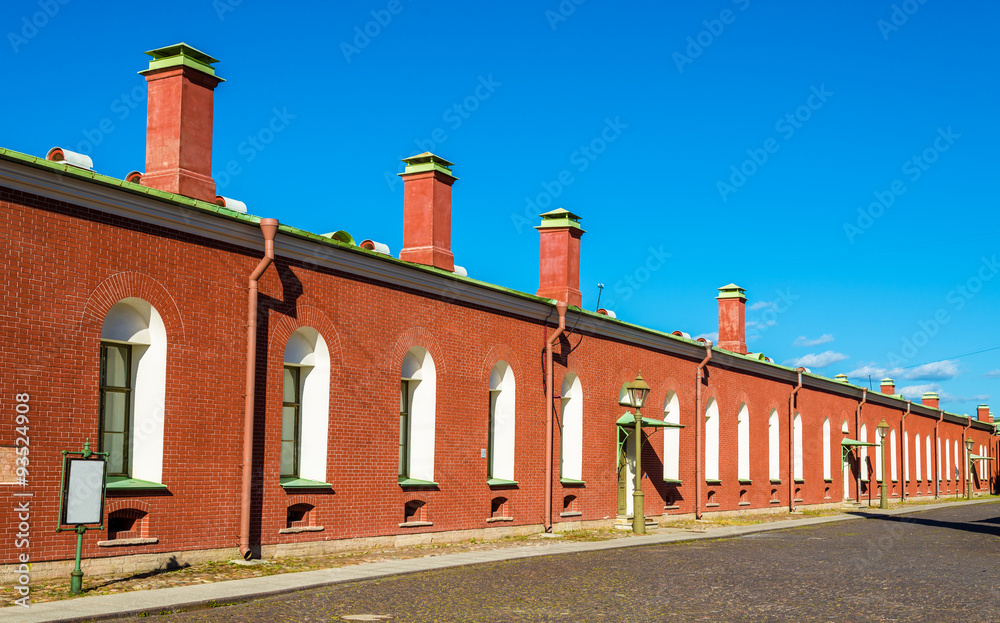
[[637, 392], [968, 468], [883, 430]]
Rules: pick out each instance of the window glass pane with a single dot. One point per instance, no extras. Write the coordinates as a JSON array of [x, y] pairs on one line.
[[288, 423], [115, 404], [291, 385], [114, 443], [287, 458], [116, 366]]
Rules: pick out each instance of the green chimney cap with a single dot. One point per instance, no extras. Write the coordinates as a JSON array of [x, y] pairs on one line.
[[732, 291], [983, 407], [887, 381], [559, 217], [932, 395], [427, 162], [181, 54], [840, 378]]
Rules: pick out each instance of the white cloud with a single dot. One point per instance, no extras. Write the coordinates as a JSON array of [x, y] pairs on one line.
[[915, 392], [821, 360], [934, 371], [763, 305], [804, 341], [978, 398], [993, 374], [712, 337]]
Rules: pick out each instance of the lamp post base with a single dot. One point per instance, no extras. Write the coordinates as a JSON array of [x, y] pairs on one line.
[[638, 513]]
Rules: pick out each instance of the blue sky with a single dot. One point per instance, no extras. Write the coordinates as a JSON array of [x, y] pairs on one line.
[[837, 160]]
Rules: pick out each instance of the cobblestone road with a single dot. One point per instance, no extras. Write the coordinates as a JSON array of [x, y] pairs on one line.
[[938, 565]]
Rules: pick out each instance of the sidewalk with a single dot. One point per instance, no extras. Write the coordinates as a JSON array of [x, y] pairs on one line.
[[155, 601]]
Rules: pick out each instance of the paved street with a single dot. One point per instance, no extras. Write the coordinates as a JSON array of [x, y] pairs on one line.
[[938, 565]]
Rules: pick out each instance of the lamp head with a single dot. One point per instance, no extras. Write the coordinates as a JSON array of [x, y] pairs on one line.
[[637, 391]]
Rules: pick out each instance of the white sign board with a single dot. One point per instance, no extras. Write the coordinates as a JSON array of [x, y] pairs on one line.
[[84, 491]]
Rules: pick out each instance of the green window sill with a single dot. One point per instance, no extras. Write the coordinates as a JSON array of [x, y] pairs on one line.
[[303, 483], [671, 481], [800, 481], [745, 481], [710, 481], [124, 483], [415, 482], [775, 481], [572, 482], [828, 480], [500, 482]]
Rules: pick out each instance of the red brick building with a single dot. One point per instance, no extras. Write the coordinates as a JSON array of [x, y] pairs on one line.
[[269, 389]]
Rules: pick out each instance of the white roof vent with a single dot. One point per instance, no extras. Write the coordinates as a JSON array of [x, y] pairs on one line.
[[232, 204], [58, 154], [460, 271], [377, 247], [607, 312]]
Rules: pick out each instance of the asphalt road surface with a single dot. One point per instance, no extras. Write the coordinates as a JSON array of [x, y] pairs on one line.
[[939, 565]]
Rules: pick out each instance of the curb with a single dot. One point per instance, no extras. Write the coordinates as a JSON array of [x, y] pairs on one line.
[[154, 601]]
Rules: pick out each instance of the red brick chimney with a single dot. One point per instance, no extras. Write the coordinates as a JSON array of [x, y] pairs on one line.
[[888, 387], [983, 411], [559, 266], [930, 399], [179, 121], [732, 318], [427, 181]]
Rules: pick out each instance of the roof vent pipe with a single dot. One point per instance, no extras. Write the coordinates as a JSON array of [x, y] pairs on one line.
[[460, 271], [607, 312], [231, 204], [378, 247], [65, 156]]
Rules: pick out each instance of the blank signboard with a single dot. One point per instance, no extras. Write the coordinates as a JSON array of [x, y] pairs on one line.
[[84, 491]]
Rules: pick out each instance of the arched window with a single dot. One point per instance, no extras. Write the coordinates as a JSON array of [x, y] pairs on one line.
[[572, 428], [500, 466], [797, 430], [305, 411], [947, 459], [672, 438], [916, 454], [956, 470], [878, 456], [743, 442], [132, 388], [417, 413], [906, 456], [863, 452], [773, 447], [928, 459], [712, 440], [827, 451], [892, 456]]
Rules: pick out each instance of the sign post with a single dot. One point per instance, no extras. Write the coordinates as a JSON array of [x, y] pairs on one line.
[[81, 500]]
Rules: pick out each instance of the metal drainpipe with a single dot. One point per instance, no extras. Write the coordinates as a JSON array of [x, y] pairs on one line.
[[937, 458], [698, 421], [857, 431], [791, 443], [269, 227], [968, 462], [549, 398], [902, 452]]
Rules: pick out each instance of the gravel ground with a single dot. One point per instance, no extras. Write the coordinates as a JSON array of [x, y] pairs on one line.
[[936, 565]]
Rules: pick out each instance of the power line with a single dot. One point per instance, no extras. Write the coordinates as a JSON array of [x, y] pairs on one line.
[[985, 350]]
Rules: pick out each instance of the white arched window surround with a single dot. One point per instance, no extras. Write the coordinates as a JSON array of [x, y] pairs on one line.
[[906, 456], [947, 459], [307, 350], [500, 455], [916, 456], [419, 389], [928, 459], [827, 451], [571, 429], [863, 454], [893, 474], [797, 456], [712, 440], [672, 439], [743, 442], [136, 325], [773, 446]]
